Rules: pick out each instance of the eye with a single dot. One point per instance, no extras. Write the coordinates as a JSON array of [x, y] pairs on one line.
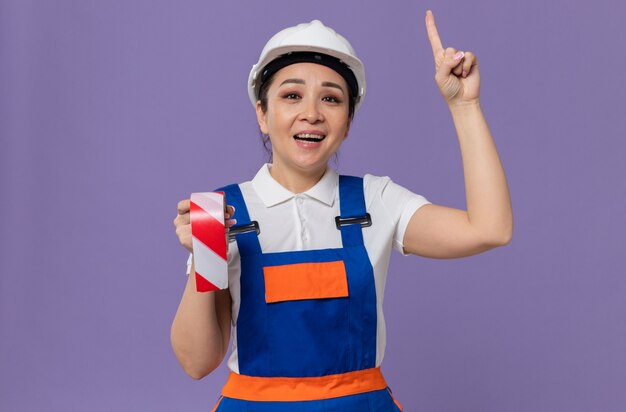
[[291, 96], [331, 99]]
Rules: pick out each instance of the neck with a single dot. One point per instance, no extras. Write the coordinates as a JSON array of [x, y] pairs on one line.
[[296, 181]]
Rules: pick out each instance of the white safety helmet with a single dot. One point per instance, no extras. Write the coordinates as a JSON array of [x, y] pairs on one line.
[[308, 37]]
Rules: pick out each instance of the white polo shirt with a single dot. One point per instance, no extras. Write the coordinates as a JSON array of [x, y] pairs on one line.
[[306, 221]]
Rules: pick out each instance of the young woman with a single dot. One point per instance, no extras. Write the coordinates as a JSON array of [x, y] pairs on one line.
[[305, 292]]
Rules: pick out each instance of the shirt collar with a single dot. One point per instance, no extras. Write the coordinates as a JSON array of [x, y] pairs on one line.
[[272, 193]]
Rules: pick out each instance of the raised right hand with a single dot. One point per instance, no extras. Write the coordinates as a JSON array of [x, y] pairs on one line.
[[456, 72]]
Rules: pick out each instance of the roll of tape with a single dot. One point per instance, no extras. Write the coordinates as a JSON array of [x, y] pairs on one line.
[[209, 240]]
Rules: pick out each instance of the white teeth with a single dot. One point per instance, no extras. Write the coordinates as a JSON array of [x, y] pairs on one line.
[[309, 136]]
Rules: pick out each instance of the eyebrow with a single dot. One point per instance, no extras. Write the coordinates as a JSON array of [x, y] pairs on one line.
[[331, 84], [324, 84]]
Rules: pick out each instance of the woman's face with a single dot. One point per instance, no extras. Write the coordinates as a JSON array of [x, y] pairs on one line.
[[306, 117]]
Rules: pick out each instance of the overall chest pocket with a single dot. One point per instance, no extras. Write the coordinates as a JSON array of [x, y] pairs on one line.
[[302, 281], [308, 318]]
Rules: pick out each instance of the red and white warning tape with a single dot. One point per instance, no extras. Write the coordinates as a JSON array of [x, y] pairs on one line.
[[209, 241]]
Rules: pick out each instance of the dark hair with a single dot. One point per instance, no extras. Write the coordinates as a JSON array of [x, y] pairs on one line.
[[263, 98]]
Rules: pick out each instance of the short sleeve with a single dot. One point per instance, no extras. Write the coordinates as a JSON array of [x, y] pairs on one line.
[[401, 204], [189, 262]]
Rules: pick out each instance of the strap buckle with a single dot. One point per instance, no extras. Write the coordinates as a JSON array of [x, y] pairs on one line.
[[364, 221], [237, 230]]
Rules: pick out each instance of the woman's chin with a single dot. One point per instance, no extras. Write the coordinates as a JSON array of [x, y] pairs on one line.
[[307, 164]]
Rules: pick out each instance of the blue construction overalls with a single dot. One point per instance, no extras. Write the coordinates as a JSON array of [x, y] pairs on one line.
[[306, 330]]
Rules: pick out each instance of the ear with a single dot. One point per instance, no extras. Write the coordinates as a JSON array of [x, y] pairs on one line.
[[261, 118], [347, 130]]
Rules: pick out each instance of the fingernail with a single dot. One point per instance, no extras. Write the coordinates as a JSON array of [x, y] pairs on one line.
[[227, 216], [459, 55], [464, 73]]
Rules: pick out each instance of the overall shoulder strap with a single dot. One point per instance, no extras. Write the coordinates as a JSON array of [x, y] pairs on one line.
[[248, 241], [353, 214]]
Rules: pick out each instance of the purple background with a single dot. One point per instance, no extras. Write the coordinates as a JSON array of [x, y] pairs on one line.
[[113, 111]]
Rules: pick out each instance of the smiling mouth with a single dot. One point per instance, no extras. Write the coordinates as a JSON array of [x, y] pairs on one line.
[[307, 137]]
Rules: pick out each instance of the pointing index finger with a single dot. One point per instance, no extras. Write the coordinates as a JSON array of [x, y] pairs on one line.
[[433, 35]]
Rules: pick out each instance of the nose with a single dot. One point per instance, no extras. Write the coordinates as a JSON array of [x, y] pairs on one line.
[[312, 112]]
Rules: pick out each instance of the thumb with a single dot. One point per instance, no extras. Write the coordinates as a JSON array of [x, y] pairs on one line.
[[451, 58]]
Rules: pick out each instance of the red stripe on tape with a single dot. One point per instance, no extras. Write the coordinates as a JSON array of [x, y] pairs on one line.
[[203, 285], [208, 230]]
